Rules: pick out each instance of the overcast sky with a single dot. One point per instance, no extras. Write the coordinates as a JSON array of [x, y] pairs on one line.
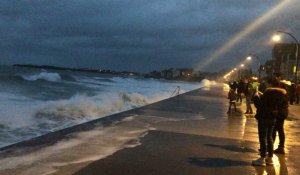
[[138, 35]]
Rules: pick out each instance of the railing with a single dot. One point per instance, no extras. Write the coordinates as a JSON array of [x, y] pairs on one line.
[[176, 91]]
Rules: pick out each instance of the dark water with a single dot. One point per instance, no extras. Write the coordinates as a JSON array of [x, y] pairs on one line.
[[37, 101]]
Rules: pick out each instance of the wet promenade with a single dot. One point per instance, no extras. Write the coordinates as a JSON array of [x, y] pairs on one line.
[[198, 138]]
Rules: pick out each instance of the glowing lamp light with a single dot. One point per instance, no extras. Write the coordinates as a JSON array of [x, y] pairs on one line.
[[249, 58], [242, 65], [276, 38]]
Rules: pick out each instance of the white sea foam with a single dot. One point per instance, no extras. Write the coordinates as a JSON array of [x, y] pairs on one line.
[[82, 147], [85, 107], [43, 76]]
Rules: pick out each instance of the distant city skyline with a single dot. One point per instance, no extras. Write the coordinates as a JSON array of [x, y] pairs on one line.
[[139, 35]]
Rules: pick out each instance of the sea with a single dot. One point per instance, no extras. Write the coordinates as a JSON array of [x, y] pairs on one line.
[[34, 102], [37, 101]]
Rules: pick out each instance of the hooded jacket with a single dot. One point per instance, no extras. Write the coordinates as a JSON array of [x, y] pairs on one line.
[[274, 103]]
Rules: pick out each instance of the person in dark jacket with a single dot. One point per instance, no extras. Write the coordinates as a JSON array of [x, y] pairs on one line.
[[240, 89], [292, 93], [262, 87], [282, 115], [297, 93], [269, 107]]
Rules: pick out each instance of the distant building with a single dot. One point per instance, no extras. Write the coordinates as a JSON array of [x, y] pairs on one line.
[[284, 59], [186, 72], [176, 73], [168, 74]]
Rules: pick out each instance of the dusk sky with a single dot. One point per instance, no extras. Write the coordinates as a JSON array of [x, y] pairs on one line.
[[142, 35]]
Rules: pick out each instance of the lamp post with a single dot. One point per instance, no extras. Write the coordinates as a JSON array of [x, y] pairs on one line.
[[277, 38], [259, 64]]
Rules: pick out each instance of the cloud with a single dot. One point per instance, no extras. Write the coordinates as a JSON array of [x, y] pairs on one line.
[[137, 35]]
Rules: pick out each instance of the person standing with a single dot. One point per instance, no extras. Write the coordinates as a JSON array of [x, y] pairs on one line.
[[297, 93], [282, 115], [240, 88], [248, 91], [292, 93], [269, 107], [232, 100], [262, 86]]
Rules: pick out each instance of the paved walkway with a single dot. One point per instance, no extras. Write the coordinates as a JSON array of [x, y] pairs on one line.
[[218, 144]]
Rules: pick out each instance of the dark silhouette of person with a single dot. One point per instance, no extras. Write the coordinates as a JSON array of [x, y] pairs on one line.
[[297, 93], [292, 93], [240, 89], [232, 100], [248, 91], [269, 107], [282, 115]]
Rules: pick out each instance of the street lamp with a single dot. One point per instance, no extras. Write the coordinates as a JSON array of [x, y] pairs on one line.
[[242, 65], [259, 63], [277, 38]]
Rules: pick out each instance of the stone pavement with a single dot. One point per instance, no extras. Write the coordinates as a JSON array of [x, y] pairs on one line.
[[218, 144]]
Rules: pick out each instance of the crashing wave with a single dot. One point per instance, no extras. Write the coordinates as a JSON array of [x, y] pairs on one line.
[[84, 107]]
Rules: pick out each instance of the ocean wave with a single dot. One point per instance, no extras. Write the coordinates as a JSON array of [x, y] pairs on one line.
[[85, 108], [53, 77]]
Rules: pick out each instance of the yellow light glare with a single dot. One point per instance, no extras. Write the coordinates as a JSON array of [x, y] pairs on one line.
[[242, 65], [276, 38], [249, 58], [252, 27]]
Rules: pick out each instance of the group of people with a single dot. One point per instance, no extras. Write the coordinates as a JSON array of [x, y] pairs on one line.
[[294, 93], [239, 89], [271, 100]]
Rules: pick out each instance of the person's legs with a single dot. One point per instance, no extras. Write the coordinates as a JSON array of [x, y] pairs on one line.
[[291, 100], [239, 97], [270, 140], [279, 126], [262, 134], [281, 134], [229, 108], [270, 143], [275, 129], [248, 105], [234, 104]]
